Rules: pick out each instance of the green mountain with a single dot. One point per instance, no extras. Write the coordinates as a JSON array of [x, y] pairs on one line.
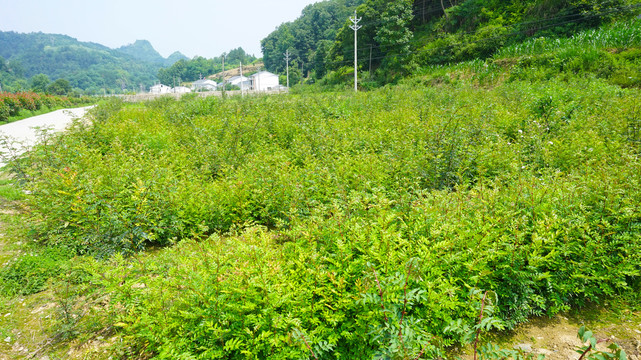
[[88, 66], [175, 57], [142, 50]]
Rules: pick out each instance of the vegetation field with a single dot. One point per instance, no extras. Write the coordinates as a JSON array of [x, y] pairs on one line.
[[398, 223], [375, 225]]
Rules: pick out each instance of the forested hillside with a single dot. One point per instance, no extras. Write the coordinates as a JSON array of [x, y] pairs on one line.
[[397, 37], [28, 60], [308, 38], [88, 67]]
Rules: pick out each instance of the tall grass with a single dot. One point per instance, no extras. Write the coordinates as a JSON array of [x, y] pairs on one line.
[[620, 35]]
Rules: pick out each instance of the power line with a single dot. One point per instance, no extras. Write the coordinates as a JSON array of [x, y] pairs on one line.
[[610, 11], [491, 38], [580, 17]]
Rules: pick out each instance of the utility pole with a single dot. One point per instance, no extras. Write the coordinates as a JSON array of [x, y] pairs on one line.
[[355, 27], [224, 74], [370, 61], [287, 59], [242, 90], [257, 85]]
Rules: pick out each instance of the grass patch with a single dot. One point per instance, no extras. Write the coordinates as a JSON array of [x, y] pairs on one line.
[[9, 191]]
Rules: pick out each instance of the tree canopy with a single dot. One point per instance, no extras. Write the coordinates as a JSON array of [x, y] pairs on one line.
[[397, 35], [308, 37]]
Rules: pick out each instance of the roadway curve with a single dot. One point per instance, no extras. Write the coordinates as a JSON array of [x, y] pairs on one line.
[[23, 133]]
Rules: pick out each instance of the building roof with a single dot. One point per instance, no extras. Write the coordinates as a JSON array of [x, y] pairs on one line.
[[204, 82], [265, 73], [234, 78]]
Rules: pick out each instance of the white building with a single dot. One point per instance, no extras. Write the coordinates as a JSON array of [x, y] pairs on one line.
[[160, 89], [242, 82], [181, 90], [204, 85], [264, 81]]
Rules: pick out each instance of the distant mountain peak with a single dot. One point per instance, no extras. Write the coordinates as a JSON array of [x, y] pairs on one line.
[[142, 50], [175, 57]]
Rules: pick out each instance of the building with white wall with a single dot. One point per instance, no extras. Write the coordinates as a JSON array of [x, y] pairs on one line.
[[204, 85], [160, 89], [264, 81], [241, 81], [181, 90]]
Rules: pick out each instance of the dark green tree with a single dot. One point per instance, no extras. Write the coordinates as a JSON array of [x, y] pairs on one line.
[[59, 87], [394, 36], [39, 83]]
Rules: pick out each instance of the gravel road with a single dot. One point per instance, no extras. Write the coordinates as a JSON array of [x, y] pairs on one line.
[[24, 131]]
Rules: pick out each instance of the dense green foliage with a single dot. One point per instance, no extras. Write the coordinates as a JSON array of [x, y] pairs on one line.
[[397, 36], [611, 53], [351, 219], [30, 273], [88, 67], [308, 38], [387, 224]]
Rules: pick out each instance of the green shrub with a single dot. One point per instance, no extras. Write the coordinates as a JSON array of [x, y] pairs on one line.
[[29, 273], [291, 215]]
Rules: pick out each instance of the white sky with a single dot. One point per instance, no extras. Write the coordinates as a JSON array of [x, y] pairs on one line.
[[193, 27]]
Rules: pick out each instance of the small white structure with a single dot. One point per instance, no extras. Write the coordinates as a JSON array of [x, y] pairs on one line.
[[240, 80], [181, 90], [204, 85], [280, 88], [160, 89], [264, 81]]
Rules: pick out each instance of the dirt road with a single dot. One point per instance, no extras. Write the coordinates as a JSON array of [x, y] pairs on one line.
[[24, 132]]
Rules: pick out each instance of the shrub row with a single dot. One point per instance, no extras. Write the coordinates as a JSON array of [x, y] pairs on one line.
[[12, 103]]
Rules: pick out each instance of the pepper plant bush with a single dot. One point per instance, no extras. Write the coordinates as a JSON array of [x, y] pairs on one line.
[[346, 225]]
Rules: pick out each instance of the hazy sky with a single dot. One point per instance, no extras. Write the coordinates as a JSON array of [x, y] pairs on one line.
[[193, 27]]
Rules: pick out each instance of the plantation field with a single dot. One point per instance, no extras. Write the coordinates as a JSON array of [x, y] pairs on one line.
[[406, 222], [370, 225]]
